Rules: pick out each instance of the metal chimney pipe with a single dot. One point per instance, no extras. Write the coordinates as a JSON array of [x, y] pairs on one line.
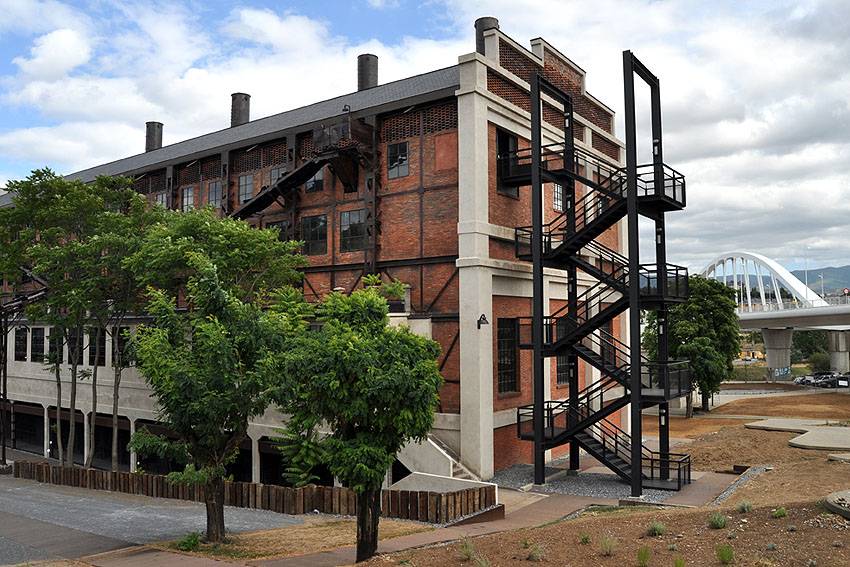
[[240, 109], [482, 25], [367, 71], [153, 136]]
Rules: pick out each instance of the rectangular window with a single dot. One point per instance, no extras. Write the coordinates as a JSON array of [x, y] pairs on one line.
[[75, 347], [506, 147], [160, 199], [282, 227], [562, 370], [188, 198], [352, 230], [314, 233], [277, 173], [21, 344], [55, 346], [97, 338], [246, 188], [397, 165], [315, 183], [507, 344], [37, 344], [214, 193], [120, 342], [558, 198]]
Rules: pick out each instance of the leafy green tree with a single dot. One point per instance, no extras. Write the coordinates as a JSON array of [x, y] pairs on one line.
[[373, 387], [820, 362], [205, 367], [704, 330], [806, 343]]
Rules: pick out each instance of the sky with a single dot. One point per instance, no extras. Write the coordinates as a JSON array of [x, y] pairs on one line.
[[755, 95]]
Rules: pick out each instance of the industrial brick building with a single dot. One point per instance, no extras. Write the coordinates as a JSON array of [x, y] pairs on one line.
[[400, 179]]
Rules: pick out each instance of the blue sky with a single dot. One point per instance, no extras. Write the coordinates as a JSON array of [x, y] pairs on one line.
[[756, 111]]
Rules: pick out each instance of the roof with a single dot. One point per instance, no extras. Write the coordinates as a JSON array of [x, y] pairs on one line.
[[441, 82], [6, 199]]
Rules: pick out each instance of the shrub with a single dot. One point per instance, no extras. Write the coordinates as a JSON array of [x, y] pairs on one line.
[[656, 529], [643, 556], [481, 561], [725, 553], [679, 562], [819, 362], [779, 513], [717, 521], [608, 545], [584, 539], [467, 549], [536, 553], [771, 547], [672, 547], [190, 542], [745, 507]]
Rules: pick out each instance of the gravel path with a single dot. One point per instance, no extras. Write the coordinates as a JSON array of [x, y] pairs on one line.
[[749, 474]]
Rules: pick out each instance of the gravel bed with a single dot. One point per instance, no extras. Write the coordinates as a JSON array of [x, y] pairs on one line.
[[519, 475], [750, 473]]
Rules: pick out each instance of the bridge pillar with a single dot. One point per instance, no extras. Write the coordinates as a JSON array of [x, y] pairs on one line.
[[839, 351], [777, 346]]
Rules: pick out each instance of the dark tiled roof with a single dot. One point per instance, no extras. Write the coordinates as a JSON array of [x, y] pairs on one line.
[[6, 199], [442, 81]]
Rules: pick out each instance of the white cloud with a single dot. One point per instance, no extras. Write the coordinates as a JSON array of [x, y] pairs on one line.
[[381, 4], [54, 54], [39, 16]]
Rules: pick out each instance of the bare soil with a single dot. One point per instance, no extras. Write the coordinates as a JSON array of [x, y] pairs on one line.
[[767, 386], [689, 428], [827, 406], [757, 539]]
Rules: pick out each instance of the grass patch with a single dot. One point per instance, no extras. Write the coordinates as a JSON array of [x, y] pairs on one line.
[[643, 556], [745, 507], [608, 546], [536, 553], [584, 539], [656, 529], [189, 542], [777, 513], [717, 521], [466, 550], [724, 553], [679, 562]]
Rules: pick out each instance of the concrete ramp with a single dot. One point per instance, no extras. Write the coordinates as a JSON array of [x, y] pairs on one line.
[[815, 433]]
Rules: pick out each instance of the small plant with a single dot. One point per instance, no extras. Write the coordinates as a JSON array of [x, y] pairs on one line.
[[371, 280], [656, 529], [190, 542], [745, 507], [481, 561], [536, 553], [717, 521], [725, 554], [525, 543], [584, 539], [792, 529], [771, 547], [672, 547], [393, 290], [779, 513], [467, 550], [679, 562], [608, 545], [643, 556]]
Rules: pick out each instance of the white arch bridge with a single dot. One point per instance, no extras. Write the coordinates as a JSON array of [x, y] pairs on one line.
[[773, 300]]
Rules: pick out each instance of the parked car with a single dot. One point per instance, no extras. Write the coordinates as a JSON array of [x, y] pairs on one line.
[[844, 380], [803, 380], [824, 379]]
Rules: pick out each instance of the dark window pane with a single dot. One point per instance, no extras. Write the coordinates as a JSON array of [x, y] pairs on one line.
[[75, 347], [97, 347], [397, 165], [506, 147], [352, 230], [277, 173], [246, 188], [558, 198], [214, 193], [188, 198], [562, 370], [37, 344], [120, 344], [21, 344], [507, 343], [314, 233], [56, 345], [315, 183], [282, 227]]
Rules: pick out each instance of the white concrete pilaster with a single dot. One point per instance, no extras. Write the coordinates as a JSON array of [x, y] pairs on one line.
[[839, 357], [777, 346], [46, 432], [133, 455], [255, 459], [86, 428]]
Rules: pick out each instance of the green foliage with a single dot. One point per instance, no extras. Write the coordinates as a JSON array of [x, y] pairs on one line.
[[679, 562], [703, 330], [725, 553], [372, 280], [189, 542], [819, 362], [744, 507], [643, 556], [466, 550], [144, 442], [608, 546], [656, 529], [393, 290], [717, 521], [778, 513], [806, 343], [481, 561], [536, 553], [584, 539], [672, 547], [771, 547], [302, 453]]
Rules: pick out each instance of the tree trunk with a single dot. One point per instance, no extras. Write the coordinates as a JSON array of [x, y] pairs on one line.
[[368, 514], [59, 443], [705, 398], [72, 421], [116, 384], [689, 406], [214, 497], [93, 417]]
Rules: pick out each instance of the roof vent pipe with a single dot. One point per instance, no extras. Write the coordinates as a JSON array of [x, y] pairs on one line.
[[367, 71], [240, 109], [482, 25], [153, 136]]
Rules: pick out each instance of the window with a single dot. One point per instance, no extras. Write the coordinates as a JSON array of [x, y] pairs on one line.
[[507, 344], [562, 370], [160, 199], [120, 342], [97, 347], [397, 165], [352, 230], [246, 188], [558, 198], [37, 345], [282, 227], [55, 346], [75, 347], [21, 344], [277, 173], [506, 147], [314, 233], [214, 193], [188, 198], [315, 183]]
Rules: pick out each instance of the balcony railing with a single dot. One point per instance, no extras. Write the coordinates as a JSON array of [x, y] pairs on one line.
[[665, 380], [677, 282], [672, 189]]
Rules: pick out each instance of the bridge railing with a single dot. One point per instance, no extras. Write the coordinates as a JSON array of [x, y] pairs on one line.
[[792, 304]]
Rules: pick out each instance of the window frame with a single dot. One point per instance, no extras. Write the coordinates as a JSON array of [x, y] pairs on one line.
[[283, 229], [506, 143], [190, 191], [558, 197], [101, 360], [21, 340], [315, 183], [281, 171], [55, 346], [507, 355], [245, 188], [562, 370], [352, 243], [398, 169], [210, 201], [119, 345], [314, 246], [36, 341], [160, 198]]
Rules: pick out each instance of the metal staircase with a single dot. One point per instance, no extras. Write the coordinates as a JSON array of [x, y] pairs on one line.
[[598, 195]]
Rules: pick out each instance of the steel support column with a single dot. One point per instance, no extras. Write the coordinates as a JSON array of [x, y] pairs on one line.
[[537, 282]]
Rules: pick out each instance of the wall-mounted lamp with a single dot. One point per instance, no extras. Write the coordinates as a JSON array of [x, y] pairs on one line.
[[483, 320]]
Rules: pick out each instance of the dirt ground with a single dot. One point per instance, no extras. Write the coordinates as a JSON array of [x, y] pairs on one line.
[[689, 428], [757, 539], [750, 386], [826, 405]]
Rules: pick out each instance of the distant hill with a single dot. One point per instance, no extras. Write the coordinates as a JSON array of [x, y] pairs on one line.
[[834, 279]]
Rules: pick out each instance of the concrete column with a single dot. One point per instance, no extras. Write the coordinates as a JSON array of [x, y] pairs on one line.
[[134, 457], [839, 353], [46, 432], [86, 427], [255, 459], [777, 346]]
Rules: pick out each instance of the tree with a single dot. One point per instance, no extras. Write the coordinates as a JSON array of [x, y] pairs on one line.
[[820, 362], [372, 386], [704, 330], [806, 343]]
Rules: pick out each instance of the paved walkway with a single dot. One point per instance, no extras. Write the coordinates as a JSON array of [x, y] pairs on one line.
[[815, 435]]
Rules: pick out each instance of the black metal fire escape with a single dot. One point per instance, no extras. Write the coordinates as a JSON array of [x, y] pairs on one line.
[[571, 242]]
